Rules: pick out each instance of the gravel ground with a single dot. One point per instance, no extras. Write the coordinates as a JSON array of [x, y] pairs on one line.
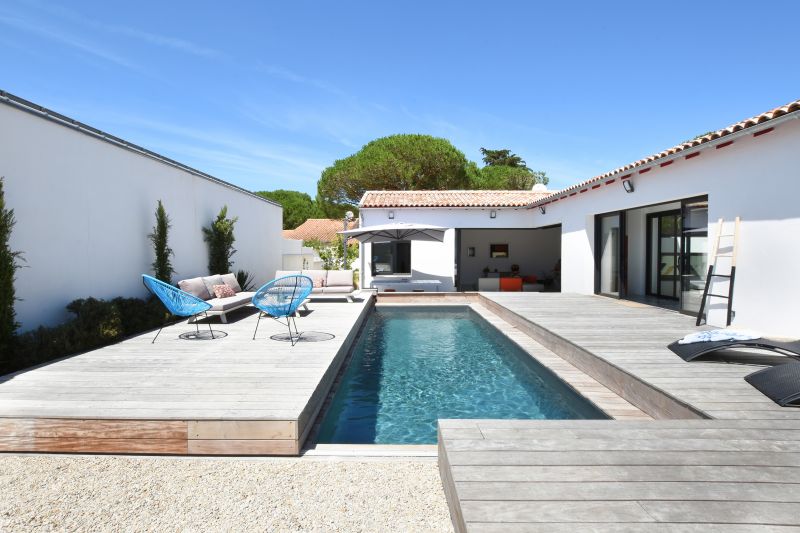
[[81, 493]]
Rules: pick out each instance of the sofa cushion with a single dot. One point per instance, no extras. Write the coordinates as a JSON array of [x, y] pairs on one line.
[[283, 273], [317, 274], [224, 291], [337, 290], [195, 287], [226, 304], [231, 281], [210, 281], [340, 278]]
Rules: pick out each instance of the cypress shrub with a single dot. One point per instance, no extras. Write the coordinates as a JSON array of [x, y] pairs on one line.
[[220, 239], [162, 266], [9, 263]]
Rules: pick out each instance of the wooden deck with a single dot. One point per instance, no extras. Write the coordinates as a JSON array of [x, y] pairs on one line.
[[230, 396], [728, 460]]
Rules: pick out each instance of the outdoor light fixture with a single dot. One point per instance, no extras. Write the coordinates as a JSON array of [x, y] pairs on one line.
[[541, 209], [628, 184], [492, 214], [391, 215]]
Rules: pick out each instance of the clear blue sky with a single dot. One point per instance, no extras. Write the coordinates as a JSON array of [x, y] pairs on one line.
[[267, 94]]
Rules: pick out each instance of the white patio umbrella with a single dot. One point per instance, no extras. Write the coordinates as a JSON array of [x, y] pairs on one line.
[[400, 231]]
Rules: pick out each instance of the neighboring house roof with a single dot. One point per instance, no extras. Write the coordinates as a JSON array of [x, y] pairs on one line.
[[48, 114], [318, 229], [450, 198], [751, 123]]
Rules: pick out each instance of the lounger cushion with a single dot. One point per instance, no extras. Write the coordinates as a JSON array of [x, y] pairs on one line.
[[195, 287], [340, 278], [337, 290], [226, 304], [210, 281], [224, 291], [231, 281]]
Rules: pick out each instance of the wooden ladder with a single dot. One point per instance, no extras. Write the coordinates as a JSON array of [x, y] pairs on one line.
[[713, 274]]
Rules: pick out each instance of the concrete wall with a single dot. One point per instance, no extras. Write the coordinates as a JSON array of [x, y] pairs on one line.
[[84, 208], [299, 257], [756, 178]]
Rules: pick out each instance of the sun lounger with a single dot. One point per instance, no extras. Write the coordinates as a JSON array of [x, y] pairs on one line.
[[689, 352], [780, 383]]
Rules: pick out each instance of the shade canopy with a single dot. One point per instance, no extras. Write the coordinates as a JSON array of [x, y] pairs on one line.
[[400, 231]]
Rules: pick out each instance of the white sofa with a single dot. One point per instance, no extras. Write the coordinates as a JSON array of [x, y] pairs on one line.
[[332, 283], [203, 288]]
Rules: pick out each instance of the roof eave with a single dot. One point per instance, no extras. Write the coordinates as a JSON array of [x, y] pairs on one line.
[[792, 115]]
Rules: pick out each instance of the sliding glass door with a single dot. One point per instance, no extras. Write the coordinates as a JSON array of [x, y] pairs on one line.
[[664, 254], [694, 252], [609, 269]]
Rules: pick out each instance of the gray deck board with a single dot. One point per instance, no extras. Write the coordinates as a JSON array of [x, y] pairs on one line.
[[230, 379], [736, 470]]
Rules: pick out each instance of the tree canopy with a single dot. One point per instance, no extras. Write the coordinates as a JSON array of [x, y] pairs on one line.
[[502, 158], [297, 206], [505, 170], [398, 162]]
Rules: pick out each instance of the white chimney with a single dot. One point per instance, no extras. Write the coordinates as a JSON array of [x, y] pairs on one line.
[[539, 187]]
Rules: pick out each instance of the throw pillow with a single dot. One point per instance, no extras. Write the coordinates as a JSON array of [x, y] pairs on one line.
[[319, 282], [223, 291]]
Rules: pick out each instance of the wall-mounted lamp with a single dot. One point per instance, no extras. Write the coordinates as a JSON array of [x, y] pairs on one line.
[[391, 215], [492, 214], [541, 209], [628, 185]]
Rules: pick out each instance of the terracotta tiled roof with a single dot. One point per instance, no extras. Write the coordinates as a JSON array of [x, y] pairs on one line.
[[321, 229], [752, 122], [450, 198]]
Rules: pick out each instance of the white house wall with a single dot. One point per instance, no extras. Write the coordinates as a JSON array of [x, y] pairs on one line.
[[434, 260], [756, 178], [84, 208]]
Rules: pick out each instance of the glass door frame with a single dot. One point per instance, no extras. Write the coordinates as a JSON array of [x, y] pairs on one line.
[[677, 254], [685, 242], [622, 254]]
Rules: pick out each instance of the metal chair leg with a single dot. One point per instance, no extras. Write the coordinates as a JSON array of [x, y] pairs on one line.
[[257, 323], [157, 334], [289, 325], [209, 325]]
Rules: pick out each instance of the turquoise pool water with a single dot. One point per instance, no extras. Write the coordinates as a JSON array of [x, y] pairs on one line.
[[413, 365]]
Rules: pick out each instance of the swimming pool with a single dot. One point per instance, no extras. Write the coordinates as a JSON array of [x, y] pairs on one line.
[[413, 365]]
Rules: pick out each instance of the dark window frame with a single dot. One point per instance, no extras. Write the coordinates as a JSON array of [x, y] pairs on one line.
[[395, 258]]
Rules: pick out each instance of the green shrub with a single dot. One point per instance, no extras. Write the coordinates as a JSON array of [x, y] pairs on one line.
[[162, 266], [220, 239], [96, 323], [9, 263], [245, 280]]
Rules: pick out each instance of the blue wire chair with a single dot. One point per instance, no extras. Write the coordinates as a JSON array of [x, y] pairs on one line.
[[177, 302], [280, 298]]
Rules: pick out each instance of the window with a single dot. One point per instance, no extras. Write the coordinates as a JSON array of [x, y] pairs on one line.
[[498, 250], [391, 258]]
